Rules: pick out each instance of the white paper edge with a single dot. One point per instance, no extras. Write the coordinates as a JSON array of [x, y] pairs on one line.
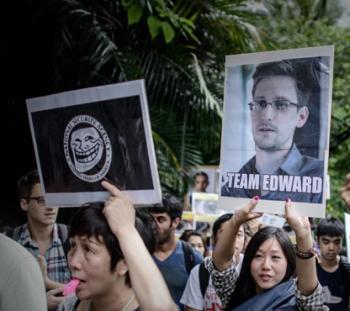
[[95, 94], [347, 232], [269, 206]]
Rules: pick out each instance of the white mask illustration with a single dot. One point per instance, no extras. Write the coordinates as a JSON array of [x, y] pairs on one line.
[[87, 148], [86, 144]]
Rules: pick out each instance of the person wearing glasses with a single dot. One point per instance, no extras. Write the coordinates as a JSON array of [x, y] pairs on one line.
[[43, 237], [279, 106]]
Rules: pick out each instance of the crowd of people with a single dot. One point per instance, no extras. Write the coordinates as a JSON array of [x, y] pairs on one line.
[[122, 258]]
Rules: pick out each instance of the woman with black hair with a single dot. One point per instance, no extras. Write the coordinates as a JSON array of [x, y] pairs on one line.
[[110, 261], [266, 281], [196, 240]]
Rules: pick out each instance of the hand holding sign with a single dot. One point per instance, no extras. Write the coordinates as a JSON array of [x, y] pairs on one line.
[[299, 224], [246, 213], [118, 210]]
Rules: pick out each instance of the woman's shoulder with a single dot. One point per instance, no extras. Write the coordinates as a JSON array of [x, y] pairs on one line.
[[68, 304]]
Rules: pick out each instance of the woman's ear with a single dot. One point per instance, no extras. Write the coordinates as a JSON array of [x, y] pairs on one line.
[[122, 268]]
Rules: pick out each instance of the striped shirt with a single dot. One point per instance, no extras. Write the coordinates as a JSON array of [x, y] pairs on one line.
[[56, 262]]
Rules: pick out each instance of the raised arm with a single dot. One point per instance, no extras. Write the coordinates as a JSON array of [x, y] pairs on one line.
[[224, 249], [53, 289], [305, 264], [147, 281], [345, 192]]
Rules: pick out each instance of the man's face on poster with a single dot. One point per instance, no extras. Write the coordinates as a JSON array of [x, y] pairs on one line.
[[200, 183], [273, 129]]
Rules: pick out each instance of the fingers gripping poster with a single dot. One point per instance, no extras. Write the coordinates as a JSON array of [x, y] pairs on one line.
[[84, 136], [275, 134]]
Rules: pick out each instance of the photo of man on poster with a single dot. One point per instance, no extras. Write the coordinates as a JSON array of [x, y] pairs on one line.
[[286, 158]]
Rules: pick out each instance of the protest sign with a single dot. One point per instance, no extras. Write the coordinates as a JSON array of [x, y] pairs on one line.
[[275, 135], [84, 136]]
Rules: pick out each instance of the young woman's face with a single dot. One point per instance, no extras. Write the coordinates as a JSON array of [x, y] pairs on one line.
[[197, 243], [90, 262], [269, 265]]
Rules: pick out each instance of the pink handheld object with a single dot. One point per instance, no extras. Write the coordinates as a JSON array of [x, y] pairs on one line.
[[70, 287]]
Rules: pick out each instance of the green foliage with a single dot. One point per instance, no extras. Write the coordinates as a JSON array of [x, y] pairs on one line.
[[154, 26], [338, 168], [157, 26], [164, 17], [173, 161], [305, 30], [308, 10], [135, 12], [178, 47], [168, 32]]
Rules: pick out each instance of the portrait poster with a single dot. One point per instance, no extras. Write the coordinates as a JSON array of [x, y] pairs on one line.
[[347, 232], [204, 179], [205, 207], [212, 172], [84, 136], [275, 134]]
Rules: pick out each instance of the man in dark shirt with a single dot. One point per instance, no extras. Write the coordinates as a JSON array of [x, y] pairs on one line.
[[333, 271], [278, 170]]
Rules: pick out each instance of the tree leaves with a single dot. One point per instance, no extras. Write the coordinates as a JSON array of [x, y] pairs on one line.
[[135, 12], [154, 26], [178, 47], [168, 32]]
